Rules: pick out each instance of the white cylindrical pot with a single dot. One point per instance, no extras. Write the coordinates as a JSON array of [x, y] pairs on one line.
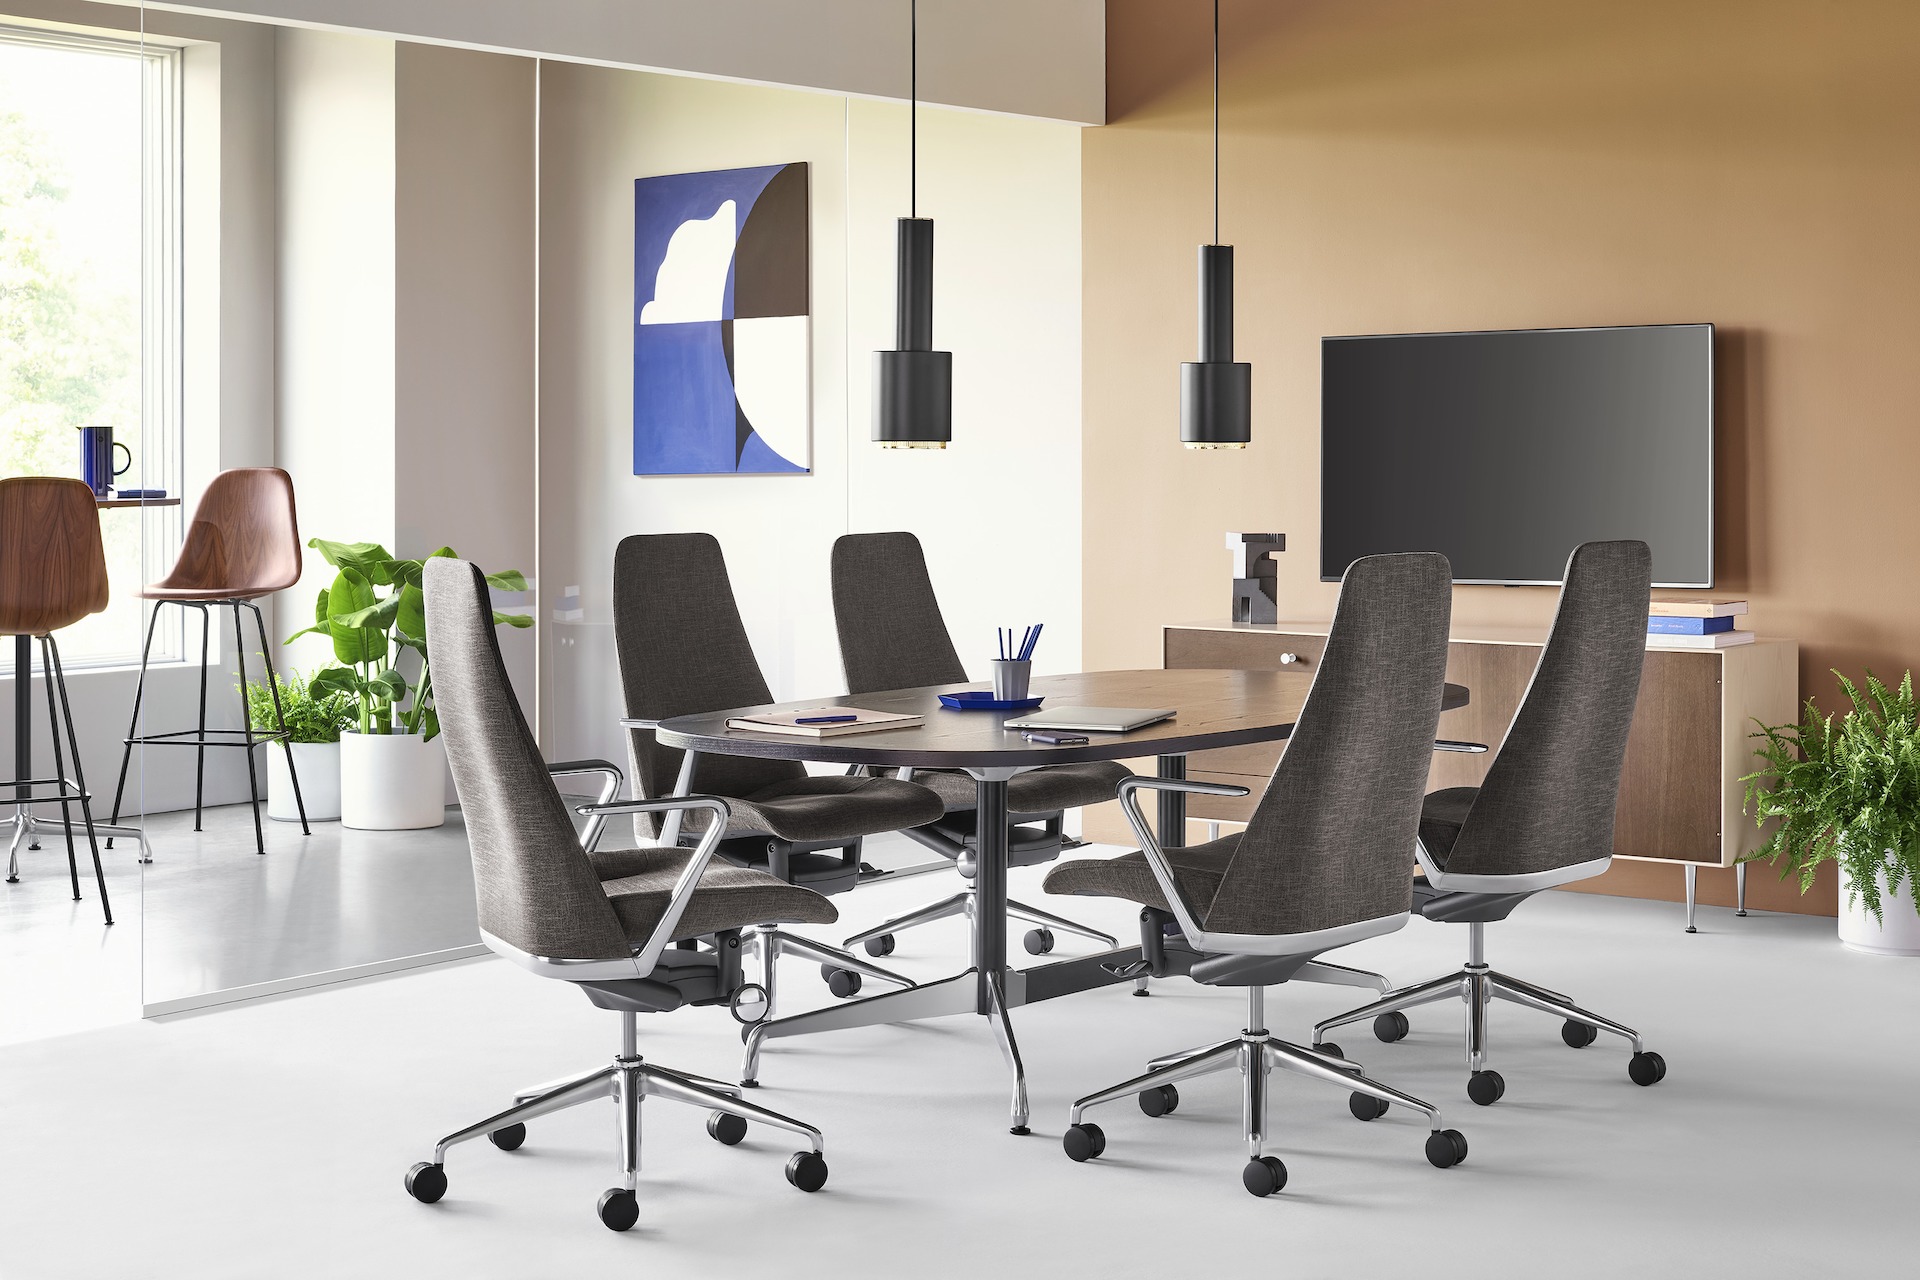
[[1896, 933], [392, 781], [318, 764]]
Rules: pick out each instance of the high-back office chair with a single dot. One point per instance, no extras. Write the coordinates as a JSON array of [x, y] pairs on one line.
[[683, 650], [601, 920], [1321, 863], [892, 636], [244, 543], [1544, 815], [53, 573]]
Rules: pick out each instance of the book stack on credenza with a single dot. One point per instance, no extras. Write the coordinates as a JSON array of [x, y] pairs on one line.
[[1695, 623]]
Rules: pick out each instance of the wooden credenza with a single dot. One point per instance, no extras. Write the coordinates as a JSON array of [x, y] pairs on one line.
[[1680, 792]]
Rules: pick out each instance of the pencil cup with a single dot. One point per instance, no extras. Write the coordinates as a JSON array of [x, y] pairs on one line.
[[1010, 676]]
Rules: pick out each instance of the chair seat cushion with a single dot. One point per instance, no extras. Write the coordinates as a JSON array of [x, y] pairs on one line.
[[1048, 790], [639, 883], [833, 807], [1442, 814], [1199, 869]]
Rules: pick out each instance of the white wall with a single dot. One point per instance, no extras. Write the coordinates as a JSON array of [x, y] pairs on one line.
[[1043, 58], [999, 512]]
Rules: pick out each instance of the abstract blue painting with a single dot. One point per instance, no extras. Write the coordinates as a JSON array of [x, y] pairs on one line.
[[721, 344]]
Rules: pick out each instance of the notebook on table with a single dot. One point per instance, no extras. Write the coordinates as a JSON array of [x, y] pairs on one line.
[[828, 722], [1093, 719]]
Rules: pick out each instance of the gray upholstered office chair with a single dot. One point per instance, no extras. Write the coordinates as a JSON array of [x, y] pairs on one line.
[[601, 920], [892, 636], [1543, 817], [1322, 861], [683, 650]]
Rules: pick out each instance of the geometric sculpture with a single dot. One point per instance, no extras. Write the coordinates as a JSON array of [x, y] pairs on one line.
[[1256, 594]]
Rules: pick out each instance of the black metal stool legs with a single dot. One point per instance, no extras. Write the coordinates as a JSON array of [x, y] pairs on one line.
[[279, 715], [253, 772], [60, 766], [79, 778], [133, 726], [200, 752]]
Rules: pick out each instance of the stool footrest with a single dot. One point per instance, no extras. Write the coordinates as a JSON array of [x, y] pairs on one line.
[[69, 791], [210, 738]]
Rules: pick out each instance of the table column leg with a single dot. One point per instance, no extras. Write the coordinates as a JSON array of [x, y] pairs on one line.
[[1173, 804], [989, 888]]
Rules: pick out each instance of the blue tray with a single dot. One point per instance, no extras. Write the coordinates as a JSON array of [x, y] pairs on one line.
[[983, 700]]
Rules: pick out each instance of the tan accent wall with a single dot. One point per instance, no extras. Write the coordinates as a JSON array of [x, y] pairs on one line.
[[1405, 165]]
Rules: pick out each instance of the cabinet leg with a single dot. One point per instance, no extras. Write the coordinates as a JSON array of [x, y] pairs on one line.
[[1740, 888], [1693, 883]]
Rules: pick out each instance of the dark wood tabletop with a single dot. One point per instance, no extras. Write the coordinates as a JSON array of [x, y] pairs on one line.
[[1214, 709]]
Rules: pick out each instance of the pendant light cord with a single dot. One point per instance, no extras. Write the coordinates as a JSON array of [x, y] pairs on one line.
[[1216, 121], [913, 110]]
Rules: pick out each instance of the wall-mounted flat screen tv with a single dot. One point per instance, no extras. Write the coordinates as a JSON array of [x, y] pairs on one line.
[[1507, 449]]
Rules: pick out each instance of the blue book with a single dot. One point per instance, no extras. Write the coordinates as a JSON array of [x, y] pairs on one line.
[[1665, 626]]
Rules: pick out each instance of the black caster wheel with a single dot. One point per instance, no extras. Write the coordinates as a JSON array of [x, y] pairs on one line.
[[726, 1129], [750, 1004], [1366, 1107], [1486, 1087], [842, 982], [1083, 1142], [1578, 1035], [1038, 942], [1161, 1101], [807, 1170], [880, 946], [1391, 1027], [1446, 1148], [426, 1182], [619, 1209], [1331, 1049], [1264, 1176], [1647, 1068], [509, 1138]]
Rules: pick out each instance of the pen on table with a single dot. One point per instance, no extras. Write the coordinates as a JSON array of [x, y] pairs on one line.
[[825, 719], [1033, 638]]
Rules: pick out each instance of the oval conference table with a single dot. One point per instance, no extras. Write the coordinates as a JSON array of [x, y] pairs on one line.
[[1212, 709]]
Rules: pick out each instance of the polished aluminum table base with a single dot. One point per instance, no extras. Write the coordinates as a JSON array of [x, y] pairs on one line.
[[961, 904], [1254, 1054], [628, 1081], [770, 943], [27, 826], [1477, 986]]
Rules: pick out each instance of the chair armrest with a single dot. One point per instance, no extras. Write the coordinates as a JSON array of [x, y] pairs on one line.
[[1156, 857], [649, 955], [590, 838], [1470, 748]]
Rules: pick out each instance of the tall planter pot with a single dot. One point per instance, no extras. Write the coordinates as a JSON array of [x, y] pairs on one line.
[[318, 764], [392, 781], [1896, 933]]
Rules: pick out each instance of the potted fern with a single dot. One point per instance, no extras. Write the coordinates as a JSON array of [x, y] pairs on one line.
[[314, 723], [393, 767], [1849, 793]]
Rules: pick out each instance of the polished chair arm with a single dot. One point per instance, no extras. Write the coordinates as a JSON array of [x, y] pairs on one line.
[[590, 838], [1156, 857], [1451, 744], [649, 955]]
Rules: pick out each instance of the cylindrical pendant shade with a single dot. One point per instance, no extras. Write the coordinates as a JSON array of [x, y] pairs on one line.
[[913, 386], [1216, 392]]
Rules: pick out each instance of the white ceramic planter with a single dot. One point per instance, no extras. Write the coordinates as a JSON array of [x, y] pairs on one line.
[[318, 764], [1897, 933], [392, 781]]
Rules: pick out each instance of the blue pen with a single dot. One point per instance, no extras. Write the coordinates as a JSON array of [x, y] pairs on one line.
[[825, 719]]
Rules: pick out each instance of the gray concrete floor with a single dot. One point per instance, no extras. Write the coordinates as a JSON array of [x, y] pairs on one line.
[[270, 1138]]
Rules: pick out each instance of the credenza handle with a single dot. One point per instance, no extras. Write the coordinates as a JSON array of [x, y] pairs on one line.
[[1288, 659]]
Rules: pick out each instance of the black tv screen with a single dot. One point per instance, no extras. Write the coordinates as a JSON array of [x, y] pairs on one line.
[[1505, 450]]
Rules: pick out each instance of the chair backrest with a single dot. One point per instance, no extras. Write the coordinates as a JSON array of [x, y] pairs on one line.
[[1549, 796], [892, 635], [53, 569], [683, 651], [535, 888], [1331, 842], [244, 539]]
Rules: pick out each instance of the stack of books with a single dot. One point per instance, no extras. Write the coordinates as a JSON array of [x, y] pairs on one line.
[[1695, 623]]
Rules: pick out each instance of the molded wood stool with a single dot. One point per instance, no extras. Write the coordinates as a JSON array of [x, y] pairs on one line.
[[53, 573], [244, 543]]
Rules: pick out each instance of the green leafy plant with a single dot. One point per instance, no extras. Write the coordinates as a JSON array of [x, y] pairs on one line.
[[1846, 792], [370, 630], [310, 716]]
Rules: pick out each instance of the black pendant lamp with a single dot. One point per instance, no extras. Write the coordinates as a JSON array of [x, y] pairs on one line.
[[913, 386], [1216, 391]]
